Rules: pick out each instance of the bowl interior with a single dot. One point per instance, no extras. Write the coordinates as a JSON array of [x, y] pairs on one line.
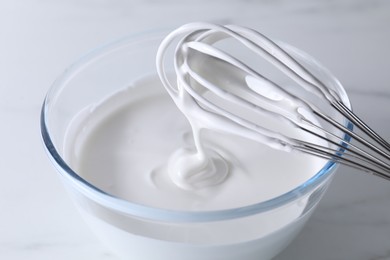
[[115, 66]]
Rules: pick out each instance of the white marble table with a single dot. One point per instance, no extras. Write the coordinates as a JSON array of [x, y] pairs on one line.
[[39, 39]]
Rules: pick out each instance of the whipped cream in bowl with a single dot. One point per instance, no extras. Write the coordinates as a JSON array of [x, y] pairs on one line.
[[153, 184]]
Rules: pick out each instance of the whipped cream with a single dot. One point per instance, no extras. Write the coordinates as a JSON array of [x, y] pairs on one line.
[[138, 146], [217, 92]]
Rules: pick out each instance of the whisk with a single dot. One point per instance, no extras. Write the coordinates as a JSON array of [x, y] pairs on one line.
[[202, 66]]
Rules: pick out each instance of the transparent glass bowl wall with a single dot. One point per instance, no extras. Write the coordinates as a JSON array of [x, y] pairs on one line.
[[139, 232]]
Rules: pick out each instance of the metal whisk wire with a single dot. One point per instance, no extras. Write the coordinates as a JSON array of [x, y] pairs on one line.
[[371, 153]]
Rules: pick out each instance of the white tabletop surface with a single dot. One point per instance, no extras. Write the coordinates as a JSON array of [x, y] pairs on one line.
[[39, 39]]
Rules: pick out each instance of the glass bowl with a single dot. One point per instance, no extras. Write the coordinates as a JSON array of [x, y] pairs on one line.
[[135, 231]]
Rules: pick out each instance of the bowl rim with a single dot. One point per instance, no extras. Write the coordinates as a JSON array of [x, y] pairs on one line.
[[161, 214]]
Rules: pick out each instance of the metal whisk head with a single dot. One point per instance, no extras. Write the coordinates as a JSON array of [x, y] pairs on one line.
[[235, 86]]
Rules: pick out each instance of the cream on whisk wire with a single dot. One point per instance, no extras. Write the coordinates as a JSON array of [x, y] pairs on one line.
[[216, 92]]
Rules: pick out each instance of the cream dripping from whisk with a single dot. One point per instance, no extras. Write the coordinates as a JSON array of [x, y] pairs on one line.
[[203, 166]]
